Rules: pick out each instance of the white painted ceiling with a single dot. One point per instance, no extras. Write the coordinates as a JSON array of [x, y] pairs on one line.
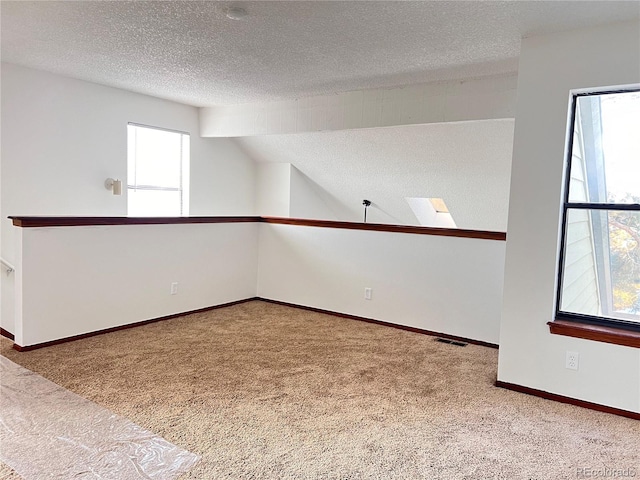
[[468, 164], [192, 53]]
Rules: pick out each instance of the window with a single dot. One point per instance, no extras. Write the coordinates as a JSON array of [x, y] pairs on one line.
[[158, 172], [599, 280], [431, 212]]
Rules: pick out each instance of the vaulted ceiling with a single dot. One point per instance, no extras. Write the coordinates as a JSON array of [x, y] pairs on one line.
[[191, 52], [466, 163]]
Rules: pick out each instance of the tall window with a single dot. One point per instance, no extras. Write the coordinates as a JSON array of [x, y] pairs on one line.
[[600, 256], [158, 172]]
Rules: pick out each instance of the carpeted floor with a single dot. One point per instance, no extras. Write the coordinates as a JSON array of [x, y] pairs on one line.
[[264, 391]]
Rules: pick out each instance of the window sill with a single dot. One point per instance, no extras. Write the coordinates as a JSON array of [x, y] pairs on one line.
[[597, 333]]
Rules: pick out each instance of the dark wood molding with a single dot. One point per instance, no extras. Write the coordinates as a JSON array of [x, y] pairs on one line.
[[30, 222], [383, 227], [27, 348], [6, 333], [380, 322], [617, 336], [571, 401], [124, 327], [277, 302]]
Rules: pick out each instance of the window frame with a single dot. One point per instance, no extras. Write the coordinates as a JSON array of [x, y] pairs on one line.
[[568, 323], [185, 168]]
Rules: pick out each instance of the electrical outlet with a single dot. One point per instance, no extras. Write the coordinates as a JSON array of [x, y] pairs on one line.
[[174, 288], [367, 294], [573, 360]]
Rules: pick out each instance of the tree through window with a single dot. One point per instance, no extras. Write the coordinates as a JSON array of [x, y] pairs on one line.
[[600, 256]]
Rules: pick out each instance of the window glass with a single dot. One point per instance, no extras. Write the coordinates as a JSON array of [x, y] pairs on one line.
[[606, 149], [158, 172], [600, 267], [602, 264], [154, 203]]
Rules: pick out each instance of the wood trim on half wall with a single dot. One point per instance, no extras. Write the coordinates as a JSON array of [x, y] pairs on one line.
[[571, 401], [31, 222], [383, 227], [381, 322]]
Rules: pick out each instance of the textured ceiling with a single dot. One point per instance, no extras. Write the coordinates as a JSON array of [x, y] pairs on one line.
[[386, 165], [192, 53]]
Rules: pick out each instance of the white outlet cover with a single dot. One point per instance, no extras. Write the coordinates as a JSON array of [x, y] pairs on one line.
[[572, 360]]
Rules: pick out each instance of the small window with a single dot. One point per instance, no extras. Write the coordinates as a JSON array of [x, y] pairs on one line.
[[431, 212], [158, 172], [600, 249]]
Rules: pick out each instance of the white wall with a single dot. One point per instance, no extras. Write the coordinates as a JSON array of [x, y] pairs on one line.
[[222, 179], [74, 280], [490, 97], [61, 138], [551, 66], [308, 200], [468, 164], [284, 191], [273, 184], [443, 284]]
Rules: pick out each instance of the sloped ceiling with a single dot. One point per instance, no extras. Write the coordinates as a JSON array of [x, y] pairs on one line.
[[467, 164], [189, 51]]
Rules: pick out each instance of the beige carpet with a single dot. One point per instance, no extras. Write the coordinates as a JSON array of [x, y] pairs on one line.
[[264, 391]]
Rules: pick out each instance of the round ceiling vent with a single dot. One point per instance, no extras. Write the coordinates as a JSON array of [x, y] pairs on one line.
[[236, 13]]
